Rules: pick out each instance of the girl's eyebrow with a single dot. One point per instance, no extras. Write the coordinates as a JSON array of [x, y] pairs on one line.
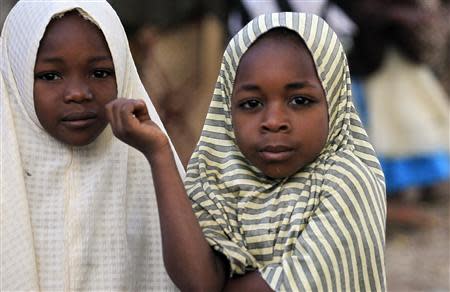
[[61, 60], [100, 58], [289, 86], [248, 87], [299, 85], [50, 60]]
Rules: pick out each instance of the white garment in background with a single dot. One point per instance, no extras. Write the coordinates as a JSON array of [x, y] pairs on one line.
[[409, 109]]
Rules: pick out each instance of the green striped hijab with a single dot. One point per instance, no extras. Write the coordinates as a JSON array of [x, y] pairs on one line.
[[321, 229]]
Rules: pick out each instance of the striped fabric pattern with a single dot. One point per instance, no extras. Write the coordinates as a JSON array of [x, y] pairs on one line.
[[322, 229]]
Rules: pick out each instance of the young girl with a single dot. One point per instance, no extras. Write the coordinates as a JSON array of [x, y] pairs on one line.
[[78, 210], [285, 185]]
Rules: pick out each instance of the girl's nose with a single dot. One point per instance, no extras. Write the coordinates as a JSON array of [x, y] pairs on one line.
[[77, 91], [275, 119]]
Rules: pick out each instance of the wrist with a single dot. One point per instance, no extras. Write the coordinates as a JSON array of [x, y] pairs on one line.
[[157, 155]]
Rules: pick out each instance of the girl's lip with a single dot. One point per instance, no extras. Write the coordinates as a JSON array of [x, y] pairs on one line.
[[276, 153], [79, 120], [275, 148], [79, 116]]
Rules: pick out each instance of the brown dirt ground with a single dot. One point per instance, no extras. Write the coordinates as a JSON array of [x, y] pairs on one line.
[[418, 256]]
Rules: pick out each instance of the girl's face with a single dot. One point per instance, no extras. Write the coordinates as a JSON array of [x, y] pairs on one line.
[[279, 108], [74, 80]]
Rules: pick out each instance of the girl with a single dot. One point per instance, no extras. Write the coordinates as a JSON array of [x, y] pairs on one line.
[[78, 209], [285, 185]]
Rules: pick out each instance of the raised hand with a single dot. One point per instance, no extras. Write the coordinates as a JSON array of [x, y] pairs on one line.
[[131, 123], [201, 268]]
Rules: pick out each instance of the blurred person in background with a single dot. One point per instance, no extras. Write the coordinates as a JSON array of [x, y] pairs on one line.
[[177, 46], [242, 11], [440, 62], [397, 46]]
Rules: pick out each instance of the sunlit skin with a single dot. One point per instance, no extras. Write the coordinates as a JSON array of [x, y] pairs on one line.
[[74, 80], [279, 109]]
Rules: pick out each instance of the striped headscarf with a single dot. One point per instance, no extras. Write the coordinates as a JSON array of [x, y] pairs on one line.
[[321, 229], [72, 218]]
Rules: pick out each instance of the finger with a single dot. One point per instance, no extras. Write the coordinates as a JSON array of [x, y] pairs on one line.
[[141, 112], [113, 113], [127, 115], [110, 110]]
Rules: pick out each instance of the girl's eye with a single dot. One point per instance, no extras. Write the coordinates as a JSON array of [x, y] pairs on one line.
[[300, 100], [101, 73], [48, 76], [250, 104]]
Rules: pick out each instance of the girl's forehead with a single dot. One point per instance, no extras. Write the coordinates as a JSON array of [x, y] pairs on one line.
[[272, 41], [274, 38], [275, 50], [70, 20], [74, 29], [75, 12]]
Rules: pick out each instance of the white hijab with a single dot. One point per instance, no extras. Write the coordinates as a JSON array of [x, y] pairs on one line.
[[72, 218]]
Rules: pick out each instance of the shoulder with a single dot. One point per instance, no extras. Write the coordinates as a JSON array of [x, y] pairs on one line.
[[353, 191], [347, 175]]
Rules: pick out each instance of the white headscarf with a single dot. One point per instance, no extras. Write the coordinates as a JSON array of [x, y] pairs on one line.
[[72, 218]]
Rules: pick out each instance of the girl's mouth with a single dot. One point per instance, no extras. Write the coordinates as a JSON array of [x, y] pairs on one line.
[[79, 120], [276, 153]]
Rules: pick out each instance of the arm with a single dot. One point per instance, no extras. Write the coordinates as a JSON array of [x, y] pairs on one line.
[[189, 260], [249, 282]]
